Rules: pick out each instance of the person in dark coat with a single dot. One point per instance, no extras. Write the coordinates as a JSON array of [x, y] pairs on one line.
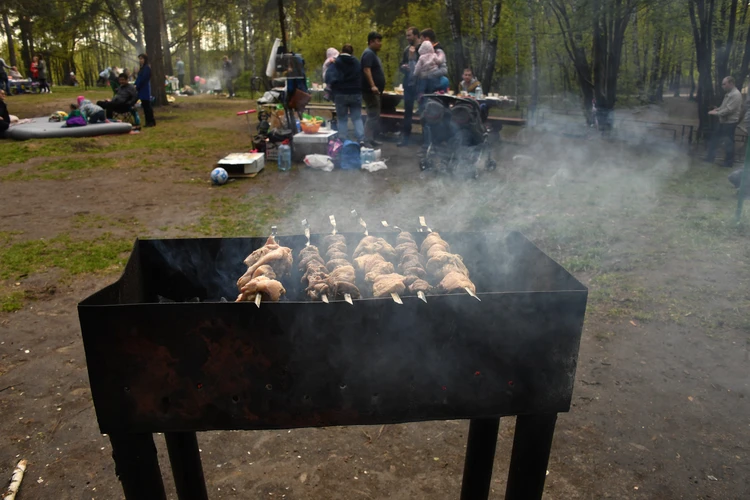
[[408, 62], [124, 99], [143, 86], [4, 115], [344, 77], [227, 72]]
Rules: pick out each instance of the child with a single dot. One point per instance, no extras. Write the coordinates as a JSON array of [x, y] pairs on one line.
[[90, 111], [331, 55], [429, 61], [75, 118]]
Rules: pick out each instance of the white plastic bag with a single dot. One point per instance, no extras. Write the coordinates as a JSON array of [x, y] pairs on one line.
[[374, 166], [320, 162]]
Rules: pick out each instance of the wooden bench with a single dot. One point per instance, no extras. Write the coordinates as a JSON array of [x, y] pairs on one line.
[[392, 120]]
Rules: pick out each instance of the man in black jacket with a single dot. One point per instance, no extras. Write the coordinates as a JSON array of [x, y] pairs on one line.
[[125, 98], [408, 61], [345, 79], [4, 115], [373, 83]]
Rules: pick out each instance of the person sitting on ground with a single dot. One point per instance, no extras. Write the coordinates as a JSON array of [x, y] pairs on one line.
[[75, 117], [4, 115], [429, 62], [90, 111], [124, 99]]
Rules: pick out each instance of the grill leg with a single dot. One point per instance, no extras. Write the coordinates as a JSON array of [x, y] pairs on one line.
[[528, 463], [186, 465], [137, 466], [480, 457]]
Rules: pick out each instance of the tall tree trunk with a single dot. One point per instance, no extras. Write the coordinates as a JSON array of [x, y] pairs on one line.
[[724, 46], [152, 28], [490, 47], [518, 71], [637, 56], [453, 11], [27, 42], [534, 60], [653, 81], [701, 20], [245, 34], [165, 38], [9, 38], [677, 82], [692, 78], [191, 59]]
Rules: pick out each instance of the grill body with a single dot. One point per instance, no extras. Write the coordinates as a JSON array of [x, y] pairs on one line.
[[166, 354]]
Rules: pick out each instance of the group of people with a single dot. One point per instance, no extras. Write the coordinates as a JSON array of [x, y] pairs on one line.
[[38, 71], [351, 81]]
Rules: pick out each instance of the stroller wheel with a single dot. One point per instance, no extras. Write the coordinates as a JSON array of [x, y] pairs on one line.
[[491, 165]]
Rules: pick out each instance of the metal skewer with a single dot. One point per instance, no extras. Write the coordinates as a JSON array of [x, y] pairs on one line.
[[306, 225], [423, 225], [421, 295], [385, 224], [347, 297], [468, 290], [361, 221], [257, 299]]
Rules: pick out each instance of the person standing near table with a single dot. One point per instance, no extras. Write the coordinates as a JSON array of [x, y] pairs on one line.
[[373, 84], [344, 77], [4, 115], [227, 72], [729, 117], [143, 86], [42, 68], [34, 69], [4, 85], [408, 62], [180, 70]]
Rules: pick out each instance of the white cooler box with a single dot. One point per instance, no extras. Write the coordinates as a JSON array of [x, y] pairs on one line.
[[239, 164], [311, 144]]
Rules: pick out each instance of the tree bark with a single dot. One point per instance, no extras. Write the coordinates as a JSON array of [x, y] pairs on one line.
[[453, 13], [27, 42], [655, 66], [490, 47], [518, 70], [152, 28], [692, 78], [534, 60], [701, 20], [9, 38], [165, 39], [637, 57], [191, 60]]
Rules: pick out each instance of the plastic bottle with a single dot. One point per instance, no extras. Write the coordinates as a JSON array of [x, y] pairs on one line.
[[285, 157], [368, 155]]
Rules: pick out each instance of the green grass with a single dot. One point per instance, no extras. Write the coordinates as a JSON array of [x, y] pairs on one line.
[[21, 258], [229, 217], [11, 302]]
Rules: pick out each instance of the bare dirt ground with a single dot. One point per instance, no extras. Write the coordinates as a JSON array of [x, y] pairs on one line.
[[660, 408]]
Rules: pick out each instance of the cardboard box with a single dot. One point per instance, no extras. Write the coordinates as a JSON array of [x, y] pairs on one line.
[[238, 164], [311, 144]]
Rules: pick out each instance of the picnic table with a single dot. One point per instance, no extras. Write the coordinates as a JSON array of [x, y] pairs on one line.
[[25, 85]]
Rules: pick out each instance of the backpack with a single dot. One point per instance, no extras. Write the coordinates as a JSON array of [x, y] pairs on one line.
[[349, 156]]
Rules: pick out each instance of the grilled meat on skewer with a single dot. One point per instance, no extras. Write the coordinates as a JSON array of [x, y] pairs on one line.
[[411, 265], [341, 280], [265, 265], [446, 269]]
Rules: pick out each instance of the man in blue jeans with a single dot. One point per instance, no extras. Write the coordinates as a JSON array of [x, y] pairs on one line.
[[408, 61], [345, 80]]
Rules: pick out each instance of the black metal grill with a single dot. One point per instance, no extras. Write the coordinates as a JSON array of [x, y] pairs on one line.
[[194, 366]]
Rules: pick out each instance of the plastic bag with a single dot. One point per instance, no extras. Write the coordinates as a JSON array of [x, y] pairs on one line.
[[374, 166], [319, 162]]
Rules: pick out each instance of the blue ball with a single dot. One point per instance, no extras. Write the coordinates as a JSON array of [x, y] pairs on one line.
[[219, 176]]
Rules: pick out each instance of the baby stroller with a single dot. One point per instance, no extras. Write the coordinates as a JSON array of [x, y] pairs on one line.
[[455, 140]]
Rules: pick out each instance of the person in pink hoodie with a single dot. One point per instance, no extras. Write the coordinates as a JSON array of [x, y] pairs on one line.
[[429, 61], [331, 55]]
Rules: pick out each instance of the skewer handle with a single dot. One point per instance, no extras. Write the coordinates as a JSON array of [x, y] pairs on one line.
[[306, 225], [333, 223], [423, 225]]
